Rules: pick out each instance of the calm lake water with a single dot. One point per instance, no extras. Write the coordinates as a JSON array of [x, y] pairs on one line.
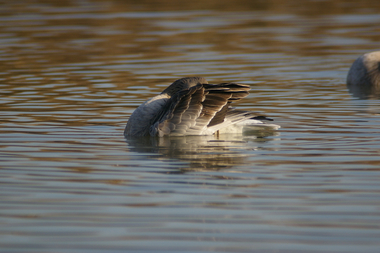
[[72, 72]]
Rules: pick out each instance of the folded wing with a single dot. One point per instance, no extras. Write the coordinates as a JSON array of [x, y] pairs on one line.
[[193, 111]]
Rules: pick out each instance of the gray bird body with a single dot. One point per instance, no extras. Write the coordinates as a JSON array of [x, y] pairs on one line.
[[363, 79]]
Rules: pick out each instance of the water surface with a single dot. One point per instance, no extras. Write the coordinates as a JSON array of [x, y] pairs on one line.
[[71, 73]]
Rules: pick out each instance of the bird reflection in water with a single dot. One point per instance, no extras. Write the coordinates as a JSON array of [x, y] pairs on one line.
[[203, 152]]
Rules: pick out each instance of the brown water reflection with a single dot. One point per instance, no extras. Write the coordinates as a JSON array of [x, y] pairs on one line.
[[202, 153], [71, 73]]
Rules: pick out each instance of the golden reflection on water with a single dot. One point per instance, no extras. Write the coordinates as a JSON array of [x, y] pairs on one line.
[[110, 52], [202, 153], [71, 73]]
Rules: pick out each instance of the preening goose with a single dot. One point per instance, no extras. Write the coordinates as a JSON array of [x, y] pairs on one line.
[[192, 106]]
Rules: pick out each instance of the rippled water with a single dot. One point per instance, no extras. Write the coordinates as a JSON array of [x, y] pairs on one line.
[[72, 72]]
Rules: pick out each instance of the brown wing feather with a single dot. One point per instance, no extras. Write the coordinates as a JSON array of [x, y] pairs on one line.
[[184, 108], [219, 116], [237, 91], [216, 104], [213, 103], [190, 111]]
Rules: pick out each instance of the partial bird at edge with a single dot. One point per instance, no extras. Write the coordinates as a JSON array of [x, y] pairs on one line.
[[363, 78]]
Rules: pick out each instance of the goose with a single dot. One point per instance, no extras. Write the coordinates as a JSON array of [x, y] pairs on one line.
[[192, 106], [363, 79]]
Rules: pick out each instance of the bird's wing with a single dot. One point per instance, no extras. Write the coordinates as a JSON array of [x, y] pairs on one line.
[[192, 111], [237, 91]]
